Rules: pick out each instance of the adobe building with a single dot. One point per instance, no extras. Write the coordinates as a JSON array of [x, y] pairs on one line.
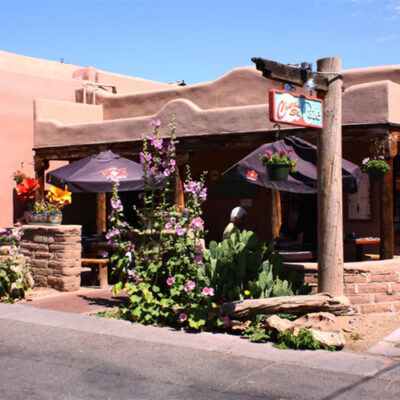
[[220, 122], [23, 79]]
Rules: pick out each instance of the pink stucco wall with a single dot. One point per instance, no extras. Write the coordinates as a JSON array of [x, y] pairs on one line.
[[17, 92]]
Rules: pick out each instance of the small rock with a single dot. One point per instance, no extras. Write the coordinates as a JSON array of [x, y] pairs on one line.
[[280, 324]]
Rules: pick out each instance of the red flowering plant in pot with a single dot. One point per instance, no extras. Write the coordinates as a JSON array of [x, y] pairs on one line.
[[25, 189], [278, 164]]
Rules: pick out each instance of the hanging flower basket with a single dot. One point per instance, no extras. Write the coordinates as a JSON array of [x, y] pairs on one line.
[[375, 168], [278, 164], [278, 172]]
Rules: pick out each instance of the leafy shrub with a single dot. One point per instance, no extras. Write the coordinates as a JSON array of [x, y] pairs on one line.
[[375, 166], [13, 280]]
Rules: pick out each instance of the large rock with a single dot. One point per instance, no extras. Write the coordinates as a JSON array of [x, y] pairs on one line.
[[325, 327]]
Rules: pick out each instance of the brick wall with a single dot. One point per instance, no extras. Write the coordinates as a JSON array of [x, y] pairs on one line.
[[372, 286], [54, 254]]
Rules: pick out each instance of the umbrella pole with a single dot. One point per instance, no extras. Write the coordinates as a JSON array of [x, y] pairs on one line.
[[101, 213]]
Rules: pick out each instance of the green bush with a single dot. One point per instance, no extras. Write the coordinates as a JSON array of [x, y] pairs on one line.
[[13, 280]]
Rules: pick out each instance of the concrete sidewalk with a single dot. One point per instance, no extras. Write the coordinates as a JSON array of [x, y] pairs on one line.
[[355, 364], [85, 301]]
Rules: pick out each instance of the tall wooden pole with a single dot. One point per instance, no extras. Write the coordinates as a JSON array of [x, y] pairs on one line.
[[387, 228], [276, 213], [330, 207], [101, 213]]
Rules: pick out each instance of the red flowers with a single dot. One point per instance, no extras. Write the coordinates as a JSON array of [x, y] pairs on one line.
[[26, 189]]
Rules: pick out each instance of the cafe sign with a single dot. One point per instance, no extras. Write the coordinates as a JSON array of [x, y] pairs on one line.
[[295, 109]]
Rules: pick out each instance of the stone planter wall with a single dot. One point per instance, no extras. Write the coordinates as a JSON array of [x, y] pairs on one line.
[[372, 286], [54, 254]]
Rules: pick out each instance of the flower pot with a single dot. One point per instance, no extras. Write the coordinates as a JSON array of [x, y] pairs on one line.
[[54, 218], [376, 176], [278, 172], [34, 218]]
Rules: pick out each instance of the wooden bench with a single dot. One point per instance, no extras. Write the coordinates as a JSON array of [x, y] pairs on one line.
[[101, 264]]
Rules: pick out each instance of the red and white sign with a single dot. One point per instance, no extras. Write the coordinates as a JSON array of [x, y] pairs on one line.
[[295, 109]]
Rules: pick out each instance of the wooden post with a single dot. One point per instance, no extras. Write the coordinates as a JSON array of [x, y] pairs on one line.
[[179, 195], [330, 208], [100, 213], [276, 213], [40, 167], [387, 226]]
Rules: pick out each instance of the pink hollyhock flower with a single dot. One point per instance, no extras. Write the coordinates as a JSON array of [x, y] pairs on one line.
[[197, 223], [188, 286], [268, 152], [172, 162], [170, 281], [167, 172], [207, 291], [158, 144], [225, 320], [182, 317], [156, 123], [105, 254], [199, 259]]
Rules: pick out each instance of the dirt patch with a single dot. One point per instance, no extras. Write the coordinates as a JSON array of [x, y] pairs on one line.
[[368, 329]]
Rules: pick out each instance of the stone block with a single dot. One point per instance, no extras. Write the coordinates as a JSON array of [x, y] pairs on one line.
[[67, 239], [26, 252], [75, 271], [356, 278], [396, 306], [384, 298], [38, 263], [351, 289], [43, 238], [384, 277], [40, 280], [38, 246], [67, 255], [372, 288], [71, 287], [375, 308], [39, 271], [395, 287], [361, 299], [43, 254], [59, 264], [60, 247]]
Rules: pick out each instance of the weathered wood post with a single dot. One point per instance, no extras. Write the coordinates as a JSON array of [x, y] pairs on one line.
[[330, 207], [276, 213], [101, 216], [387, 228]]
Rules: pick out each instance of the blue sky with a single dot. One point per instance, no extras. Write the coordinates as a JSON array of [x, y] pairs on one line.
[[200, 40]]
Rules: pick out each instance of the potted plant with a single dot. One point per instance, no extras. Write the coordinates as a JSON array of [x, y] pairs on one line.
[[57, 199], [278, 164], [376, 168], [39, 213]]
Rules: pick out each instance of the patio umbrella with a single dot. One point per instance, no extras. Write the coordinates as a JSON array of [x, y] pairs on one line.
[[91, 174], [305, 180]]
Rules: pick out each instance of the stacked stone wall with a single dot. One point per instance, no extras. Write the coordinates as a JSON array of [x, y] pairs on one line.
[[372, 286], [54, 254]]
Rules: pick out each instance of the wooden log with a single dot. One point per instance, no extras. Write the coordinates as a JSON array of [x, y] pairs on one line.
[[40, 168], [330, 208], [298, 305]]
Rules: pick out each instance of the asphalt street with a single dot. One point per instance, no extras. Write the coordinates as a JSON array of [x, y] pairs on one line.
[[42, 358]]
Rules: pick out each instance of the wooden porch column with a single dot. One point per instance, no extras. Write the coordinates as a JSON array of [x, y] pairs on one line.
[[179, 196], [330, 207], [276, 213], [100, 213], [387, 224], [40, 167]]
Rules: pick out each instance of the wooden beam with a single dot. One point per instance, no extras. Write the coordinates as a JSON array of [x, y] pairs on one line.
[[387, 224], [330, 207], [179, 195], [289, 73]]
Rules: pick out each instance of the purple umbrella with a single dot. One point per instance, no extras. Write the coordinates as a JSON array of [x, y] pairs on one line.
[[305, 180], [93, 174]]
